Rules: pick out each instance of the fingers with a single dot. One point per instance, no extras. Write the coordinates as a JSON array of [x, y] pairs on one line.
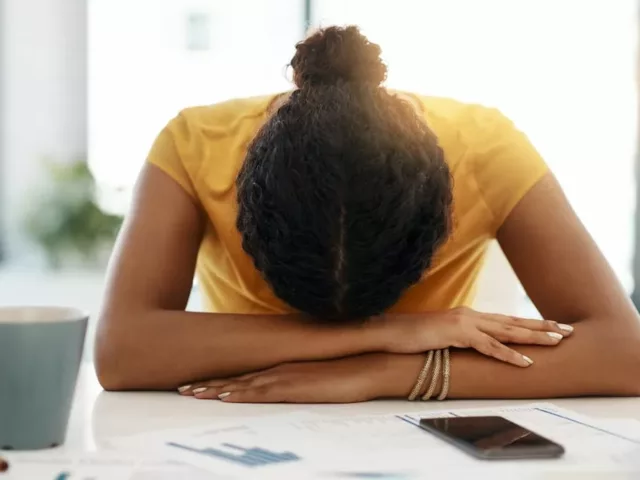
[[489, 346], [495, 330], [271, 393], [245, 392], [215, 390], [531, 324], [509, 334], [4, 465], [189, 390]]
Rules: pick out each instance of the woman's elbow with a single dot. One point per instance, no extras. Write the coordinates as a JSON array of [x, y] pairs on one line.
[[114, 367], [632, 375], [112, 372], [110, 381], [624, 369]]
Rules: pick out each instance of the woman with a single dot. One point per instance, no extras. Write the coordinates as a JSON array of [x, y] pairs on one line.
[[337, 232]]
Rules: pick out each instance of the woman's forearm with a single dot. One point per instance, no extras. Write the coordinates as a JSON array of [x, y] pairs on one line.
[[166, 349], [596, 360]]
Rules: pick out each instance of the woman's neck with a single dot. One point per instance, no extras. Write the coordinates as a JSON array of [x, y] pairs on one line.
[[282, 98]]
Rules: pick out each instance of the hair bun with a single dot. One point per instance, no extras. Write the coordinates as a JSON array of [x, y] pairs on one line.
[[337, 53]]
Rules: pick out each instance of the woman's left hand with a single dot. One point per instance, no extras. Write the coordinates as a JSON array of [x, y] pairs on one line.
[[347, 380]]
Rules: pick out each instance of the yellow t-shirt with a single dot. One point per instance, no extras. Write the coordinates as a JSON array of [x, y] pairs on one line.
[[493, 165]]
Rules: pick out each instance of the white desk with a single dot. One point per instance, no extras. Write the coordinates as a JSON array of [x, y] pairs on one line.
[[98, 415]]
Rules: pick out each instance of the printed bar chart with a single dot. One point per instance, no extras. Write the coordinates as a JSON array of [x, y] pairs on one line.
[[246, 457]]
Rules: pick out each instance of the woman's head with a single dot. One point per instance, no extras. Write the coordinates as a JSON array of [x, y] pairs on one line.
[[344, 195]]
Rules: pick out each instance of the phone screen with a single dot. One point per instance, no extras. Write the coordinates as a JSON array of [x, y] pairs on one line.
[[492, 437]]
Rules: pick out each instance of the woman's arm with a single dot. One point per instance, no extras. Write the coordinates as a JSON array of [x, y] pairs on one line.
[[569, 281], [145, 338], [594, 361], [581, 366], [147, 341], [591, 363]]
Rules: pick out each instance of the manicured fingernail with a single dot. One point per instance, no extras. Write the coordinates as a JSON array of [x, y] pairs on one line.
[[184, 389], [565, 327], [4, 465], [527, 359], [224, 395], [557, 336], [200, 390]]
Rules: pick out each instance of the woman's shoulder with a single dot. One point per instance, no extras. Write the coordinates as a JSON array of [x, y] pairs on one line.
[[226, 115], [464, 129], [490, 158], [198, 148], [457, 114]]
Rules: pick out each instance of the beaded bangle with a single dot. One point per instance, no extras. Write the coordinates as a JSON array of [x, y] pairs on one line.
[[447, 375], [417, 388], [434, 377]]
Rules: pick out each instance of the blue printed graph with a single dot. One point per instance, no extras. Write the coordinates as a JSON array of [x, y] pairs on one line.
[[246, 457], [374, 475]]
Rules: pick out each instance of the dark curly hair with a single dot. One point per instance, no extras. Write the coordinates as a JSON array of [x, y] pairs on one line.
[[344, 195]]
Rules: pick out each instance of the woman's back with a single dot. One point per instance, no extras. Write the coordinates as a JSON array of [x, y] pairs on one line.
[[492, 166], [355, 207]]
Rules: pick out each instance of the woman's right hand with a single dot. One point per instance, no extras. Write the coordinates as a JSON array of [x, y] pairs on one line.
[[465, 328]]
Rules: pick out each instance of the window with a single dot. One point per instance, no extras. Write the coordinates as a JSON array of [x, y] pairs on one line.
[[564, 71], [148, 59]]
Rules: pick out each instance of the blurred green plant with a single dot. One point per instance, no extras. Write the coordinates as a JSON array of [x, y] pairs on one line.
[[66, 221]]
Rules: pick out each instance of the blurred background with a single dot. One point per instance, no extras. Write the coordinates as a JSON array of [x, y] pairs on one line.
[[85, 86]]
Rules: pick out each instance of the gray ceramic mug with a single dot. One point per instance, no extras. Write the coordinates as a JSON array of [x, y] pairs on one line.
[[40, 355]]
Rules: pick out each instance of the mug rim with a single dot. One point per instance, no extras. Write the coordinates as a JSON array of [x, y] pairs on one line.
[[37, 314]]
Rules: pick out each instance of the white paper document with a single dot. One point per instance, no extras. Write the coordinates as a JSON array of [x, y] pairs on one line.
[[53, 465], [388, 446]]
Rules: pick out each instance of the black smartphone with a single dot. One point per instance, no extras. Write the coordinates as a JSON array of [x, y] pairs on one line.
[[492, 438]]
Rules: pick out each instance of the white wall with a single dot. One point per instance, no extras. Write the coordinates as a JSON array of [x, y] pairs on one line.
[[43, 99], [141, 72], [563, 70]]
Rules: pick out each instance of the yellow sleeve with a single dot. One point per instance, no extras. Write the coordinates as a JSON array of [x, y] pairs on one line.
[[165, 154], [506, 165]]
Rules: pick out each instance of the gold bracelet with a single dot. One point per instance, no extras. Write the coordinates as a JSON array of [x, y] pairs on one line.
[[446, 374], [417, 388], [434, 377]]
